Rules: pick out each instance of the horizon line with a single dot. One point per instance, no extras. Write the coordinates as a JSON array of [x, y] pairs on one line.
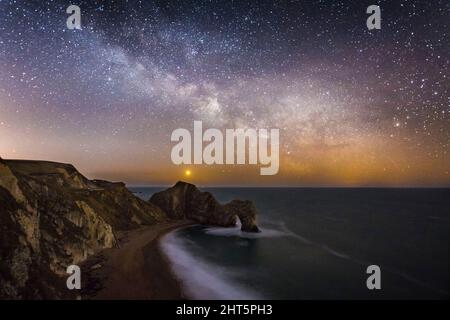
[[150, 185], [287, 186]]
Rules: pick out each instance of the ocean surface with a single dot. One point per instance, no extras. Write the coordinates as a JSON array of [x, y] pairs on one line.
[[316, 243]]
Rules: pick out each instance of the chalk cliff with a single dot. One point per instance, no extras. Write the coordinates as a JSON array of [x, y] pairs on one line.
[[51, 216]]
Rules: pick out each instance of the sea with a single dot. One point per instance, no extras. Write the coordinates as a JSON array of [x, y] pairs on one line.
[[318, 243]]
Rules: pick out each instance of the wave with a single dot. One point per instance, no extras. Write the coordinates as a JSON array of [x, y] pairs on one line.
[[236, 232], [391, 270], [312, 243], [202, 280], [279, 230]]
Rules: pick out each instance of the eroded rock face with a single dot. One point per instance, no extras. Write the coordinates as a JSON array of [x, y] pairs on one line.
[[246, 211], [51, 216], [185, 200]]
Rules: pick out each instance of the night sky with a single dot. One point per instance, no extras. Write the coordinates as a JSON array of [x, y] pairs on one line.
[[354, 107]]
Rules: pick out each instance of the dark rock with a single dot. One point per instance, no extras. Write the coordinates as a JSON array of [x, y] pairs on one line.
[[246, 211], [186, 201]]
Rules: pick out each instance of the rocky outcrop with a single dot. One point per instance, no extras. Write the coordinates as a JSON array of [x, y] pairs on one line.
[[186, 201], [51, 216], [246, 212]]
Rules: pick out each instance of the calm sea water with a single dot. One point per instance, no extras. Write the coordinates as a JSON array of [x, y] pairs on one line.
[[317, 244]]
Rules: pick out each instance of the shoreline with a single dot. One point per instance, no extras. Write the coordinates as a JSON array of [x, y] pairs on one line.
[[137, 269]]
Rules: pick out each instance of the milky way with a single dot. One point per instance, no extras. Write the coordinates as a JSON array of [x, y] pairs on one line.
[[354, 106]]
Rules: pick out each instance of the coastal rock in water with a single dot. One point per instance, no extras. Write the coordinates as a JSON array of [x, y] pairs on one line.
[[186, 201], [51, 216], [246, 212]]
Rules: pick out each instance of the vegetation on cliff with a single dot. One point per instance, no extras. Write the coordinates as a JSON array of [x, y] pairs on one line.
[[51, 216]]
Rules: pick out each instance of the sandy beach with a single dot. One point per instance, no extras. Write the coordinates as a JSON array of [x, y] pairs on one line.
[[136, 269]]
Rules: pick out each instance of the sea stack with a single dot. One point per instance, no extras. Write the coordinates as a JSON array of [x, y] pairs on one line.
[[186, 201]]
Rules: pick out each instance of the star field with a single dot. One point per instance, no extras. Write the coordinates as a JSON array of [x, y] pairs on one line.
[[354, 106]]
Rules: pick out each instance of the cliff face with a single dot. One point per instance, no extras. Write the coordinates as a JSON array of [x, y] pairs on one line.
[[185, 200], [51, 216]]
